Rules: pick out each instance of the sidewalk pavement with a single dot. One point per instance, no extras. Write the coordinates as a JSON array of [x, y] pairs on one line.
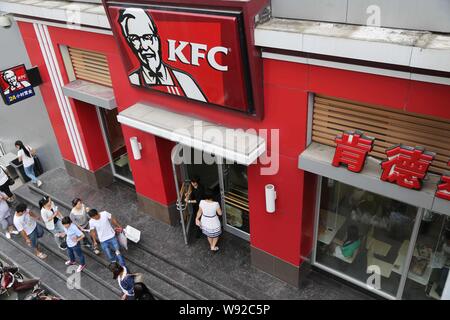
[[230, 267]]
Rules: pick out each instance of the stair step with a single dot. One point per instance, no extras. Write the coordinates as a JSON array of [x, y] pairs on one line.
[[98, 265]]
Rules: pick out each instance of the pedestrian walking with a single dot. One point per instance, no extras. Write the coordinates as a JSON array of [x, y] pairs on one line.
[[74, 236], [25, 155], [6, 218], [5, 182], [207, 219], [101, 229], [31, 231], [52, 220], [79, 216], [125, 280]]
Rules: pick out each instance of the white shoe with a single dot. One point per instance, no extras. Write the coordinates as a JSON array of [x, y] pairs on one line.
[[8, 235], [69, 263], [39, 183], [14, 232], [81, 268]]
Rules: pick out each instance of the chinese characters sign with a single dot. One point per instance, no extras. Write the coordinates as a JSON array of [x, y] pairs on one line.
[[194, 55], [352, 149], [443, 189], [15, 85], [406, 166]]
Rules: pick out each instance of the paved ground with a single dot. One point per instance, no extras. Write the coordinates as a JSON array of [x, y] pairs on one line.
[[229, 268]]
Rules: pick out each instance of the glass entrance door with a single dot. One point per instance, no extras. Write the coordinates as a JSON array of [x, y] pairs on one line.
[[234, 191], [227, 182], [115, 144]]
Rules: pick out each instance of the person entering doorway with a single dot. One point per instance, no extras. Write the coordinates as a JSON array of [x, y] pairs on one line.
[[197, 194], [208, 220]]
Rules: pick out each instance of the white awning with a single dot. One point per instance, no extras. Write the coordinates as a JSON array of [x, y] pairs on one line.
[[237, 145], [92, 93]]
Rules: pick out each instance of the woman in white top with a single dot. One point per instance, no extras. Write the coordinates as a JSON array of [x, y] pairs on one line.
[[25, 155], [207, 219], [52, 219]]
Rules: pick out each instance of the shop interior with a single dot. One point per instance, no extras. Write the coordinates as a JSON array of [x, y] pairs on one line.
[[359, 231]]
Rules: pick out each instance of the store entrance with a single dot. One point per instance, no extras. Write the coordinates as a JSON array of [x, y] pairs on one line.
[[115, 144], [197, 172]]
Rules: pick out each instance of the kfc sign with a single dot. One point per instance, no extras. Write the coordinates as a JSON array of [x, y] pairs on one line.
[[15, 85], [191, 54]]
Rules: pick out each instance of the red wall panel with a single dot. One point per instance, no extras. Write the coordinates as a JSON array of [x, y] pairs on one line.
[[360, 87]]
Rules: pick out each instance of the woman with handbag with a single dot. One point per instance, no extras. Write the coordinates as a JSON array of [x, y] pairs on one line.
[[25, 155], [5, 182]]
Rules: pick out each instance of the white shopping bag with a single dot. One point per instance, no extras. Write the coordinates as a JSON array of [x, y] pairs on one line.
[[132, 234], [122, 240]]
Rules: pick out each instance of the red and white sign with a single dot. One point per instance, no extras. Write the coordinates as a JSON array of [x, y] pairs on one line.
[[406, 166], [352, 148], [443, 189], [15, 85], [200, 56]]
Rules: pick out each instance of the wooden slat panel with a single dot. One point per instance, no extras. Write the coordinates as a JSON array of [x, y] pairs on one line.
[[90, 66], [389, 127]]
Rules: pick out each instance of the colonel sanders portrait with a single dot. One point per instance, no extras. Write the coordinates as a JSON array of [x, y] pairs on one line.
[[13, 84], [141, 34]]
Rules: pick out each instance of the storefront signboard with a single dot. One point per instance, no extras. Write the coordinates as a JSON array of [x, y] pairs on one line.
[[443, 189], [352, 149], [15, 85], [406, 166], [194, 54]]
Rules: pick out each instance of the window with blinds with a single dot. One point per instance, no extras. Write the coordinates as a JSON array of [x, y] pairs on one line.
[[90, 66], [389, 127]]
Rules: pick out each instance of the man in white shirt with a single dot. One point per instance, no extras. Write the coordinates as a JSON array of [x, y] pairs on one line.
[[100, 225], [25, 223]]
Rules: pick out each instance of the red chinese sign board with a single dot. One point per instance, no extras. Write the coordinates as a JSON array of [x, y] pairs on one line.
[[352, 149], [15, 85], [406, 166], [443, 189], [199, 56]]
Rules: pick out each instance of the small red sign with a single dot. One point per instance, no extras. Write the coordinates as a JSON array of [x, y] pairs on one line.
[[406, 166], [15, 85], [443, 189], [352, 149], [191, 54]]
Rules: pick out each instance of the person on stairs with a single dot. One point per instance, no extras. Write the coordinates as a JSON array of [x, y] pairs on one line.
[[5, 183], [25, 155], [31, 231], [52, 219], [6, 218]]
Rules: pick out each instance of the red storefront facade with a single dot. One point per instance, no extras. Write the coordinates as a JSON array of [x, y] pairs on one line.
[[280, 241]]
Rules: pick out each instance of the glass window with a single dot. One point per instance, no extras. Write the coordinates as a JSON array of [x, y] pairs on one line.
[[236, 196], [430, 263], [361, 233]]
